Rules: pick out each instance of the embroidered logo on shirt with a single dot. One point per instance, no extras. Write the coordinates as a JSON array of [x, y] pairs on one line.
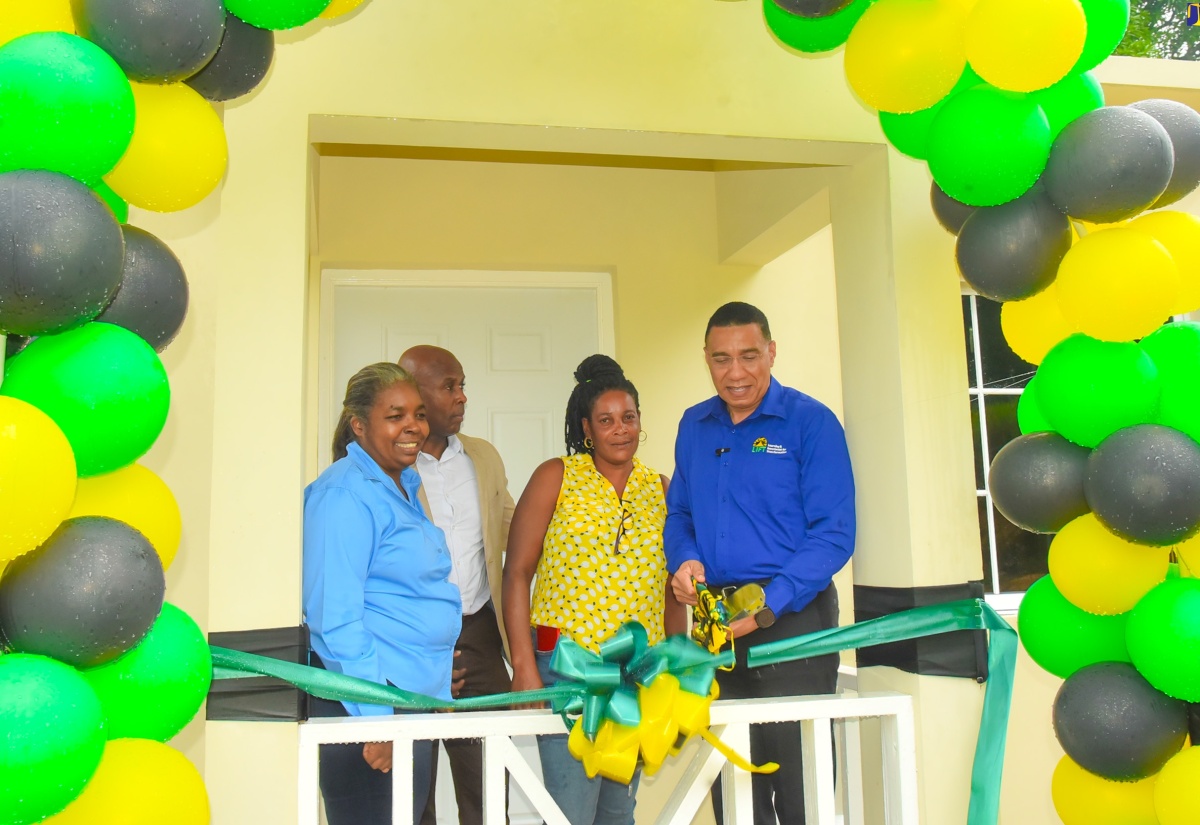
[[760, 445], [776, 449]]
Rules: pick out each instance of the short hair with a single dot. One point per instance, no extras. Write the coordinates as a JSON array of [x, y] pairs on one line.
[[736, 314], [362, 391], [595, 375]]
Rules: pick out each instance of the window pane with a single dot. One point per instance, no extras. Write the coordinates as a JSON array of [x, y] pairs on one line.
[[968, 333], [1023, 557], [980, 470], [1001, 366], [984, 543], [1001, 422]]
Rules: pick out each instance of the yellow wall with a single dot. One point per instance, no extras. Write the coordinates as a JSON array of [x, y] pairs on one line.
[[235, 449]]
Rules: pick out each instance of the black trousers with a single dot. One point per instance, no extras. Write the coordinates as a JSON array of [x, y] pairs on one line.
[[779, 797], [354, 792], [483, 658]]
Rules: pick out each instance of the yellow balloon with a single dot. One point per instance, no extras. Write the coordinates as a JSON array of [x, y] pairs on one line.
[[178, 152], [906, 55], [339, 7], [20, 17], [1117, 284], [139, 782], [1025, 45], [136, 496], [1032, 327], [1100, 572], [1177, 791], [37, 477], [1179, 232], [1082, 798]]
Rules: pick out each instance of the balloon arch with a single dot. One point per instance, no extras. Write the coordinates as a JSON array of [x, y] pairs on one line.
[[105, 103]]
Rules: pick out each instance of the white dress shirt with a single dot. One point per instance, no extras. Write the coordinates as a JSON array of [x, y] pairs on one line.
[[452, 489]]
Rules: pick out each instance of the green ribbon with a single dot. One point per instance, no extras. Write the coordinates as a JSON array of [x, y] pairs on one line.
[[969, 614], [593, 682]]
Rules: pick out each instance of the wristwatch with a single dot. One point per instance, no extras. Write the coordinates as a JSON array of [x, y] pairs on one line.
[[764, 618]]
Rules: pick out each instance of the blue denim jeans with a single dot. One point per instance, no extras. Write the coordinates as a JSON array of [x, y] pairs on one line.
[[584, 801]]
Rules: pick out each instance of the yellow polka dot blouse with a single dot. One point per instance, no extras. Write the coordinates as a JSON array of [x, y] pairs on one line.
[[602, 560]]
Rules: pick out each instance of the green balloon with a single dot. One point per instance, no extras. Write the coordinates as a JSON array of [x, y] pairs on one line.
[[1089, 389], [987, 146], [115, 202], [1029, 411], [1074, 95], [813, 34], [51, 737], [276, 14], [1175, 350], [909, 131], [67, 106], [155, 689], [1061, 638], [1106, 24], [1164, 638], [104, 387]]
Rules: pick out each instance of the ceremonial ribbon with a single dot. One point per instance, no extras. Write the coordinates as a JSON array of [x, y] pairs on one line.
[[674, 682]]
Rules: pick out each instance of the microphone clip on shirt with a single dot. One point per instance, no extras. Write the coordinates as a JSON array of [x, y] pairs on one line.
[[721, 451]]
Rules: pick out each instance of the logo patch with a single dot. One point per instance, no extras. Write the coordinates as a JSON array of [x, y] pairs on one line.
[[760, 445]]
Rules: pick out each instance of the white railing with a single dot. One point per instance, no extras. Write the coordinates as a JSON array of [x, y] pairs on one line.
[[731, 720]]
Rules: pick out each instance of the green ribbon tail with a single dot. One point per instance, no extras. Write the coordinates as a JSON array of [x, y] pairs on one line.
[[337, 687], [969, 614]]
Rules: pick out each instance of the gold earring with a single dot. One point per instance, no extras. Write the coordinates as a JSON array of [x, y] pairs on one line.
[[587, 444], [642, 438]]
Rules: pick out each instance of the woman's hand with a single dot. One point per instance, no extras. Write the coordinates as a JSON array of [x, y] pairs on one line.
[[378, 755], [527, 679]]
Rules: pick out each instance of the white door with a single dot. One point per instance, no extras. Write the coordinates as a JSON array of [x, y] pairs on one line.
[[519, 336]]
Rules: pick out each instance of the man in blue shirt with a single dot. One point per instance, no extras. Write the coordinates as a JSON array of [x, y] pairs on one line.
[[762, 492]]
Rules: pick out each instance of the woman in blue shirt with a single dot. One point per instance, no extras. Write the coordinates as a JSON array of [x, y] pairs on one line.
[[377, 597]]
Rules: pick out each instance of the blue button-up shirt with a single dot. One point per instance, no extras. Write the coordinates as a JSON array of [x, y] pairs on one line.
[[771, 497], [377, 595]]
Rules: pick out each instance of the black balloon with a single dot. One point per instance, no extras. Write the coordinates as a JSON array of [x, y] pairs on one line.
[[1194, 723], [240, 64], [153, 297], [1183, 126], [1012, 251], [88, 594], [60, 253], [1109, 164], [1112, 722], [157, 41], [1037, 481], [1143, 483], [951, 214], [812, 8]]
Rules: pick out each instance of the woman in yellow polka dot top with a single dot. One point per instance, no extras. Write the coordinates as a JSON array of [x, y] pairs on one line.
[[590, 526]]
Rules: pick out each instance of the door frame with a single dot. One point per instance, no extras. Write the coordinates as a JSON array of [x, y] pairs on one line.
[[598, 282]]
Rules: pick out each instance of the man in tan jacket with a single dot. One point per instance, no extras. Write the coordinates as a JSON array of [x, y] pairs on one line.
[[464, 491]]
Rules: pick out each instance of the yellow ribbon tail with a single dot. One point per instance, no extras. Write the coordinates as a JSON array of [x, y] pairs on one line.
[[733, 756]]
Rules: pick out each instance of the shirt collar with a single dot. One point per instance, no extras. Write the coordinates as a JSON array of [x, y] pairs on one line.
[[771, 404], [408, 476], [454, 447]]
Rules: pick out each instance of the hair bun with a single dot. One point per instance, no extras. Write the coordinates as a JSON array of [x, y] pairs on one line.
[[598, 366]]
